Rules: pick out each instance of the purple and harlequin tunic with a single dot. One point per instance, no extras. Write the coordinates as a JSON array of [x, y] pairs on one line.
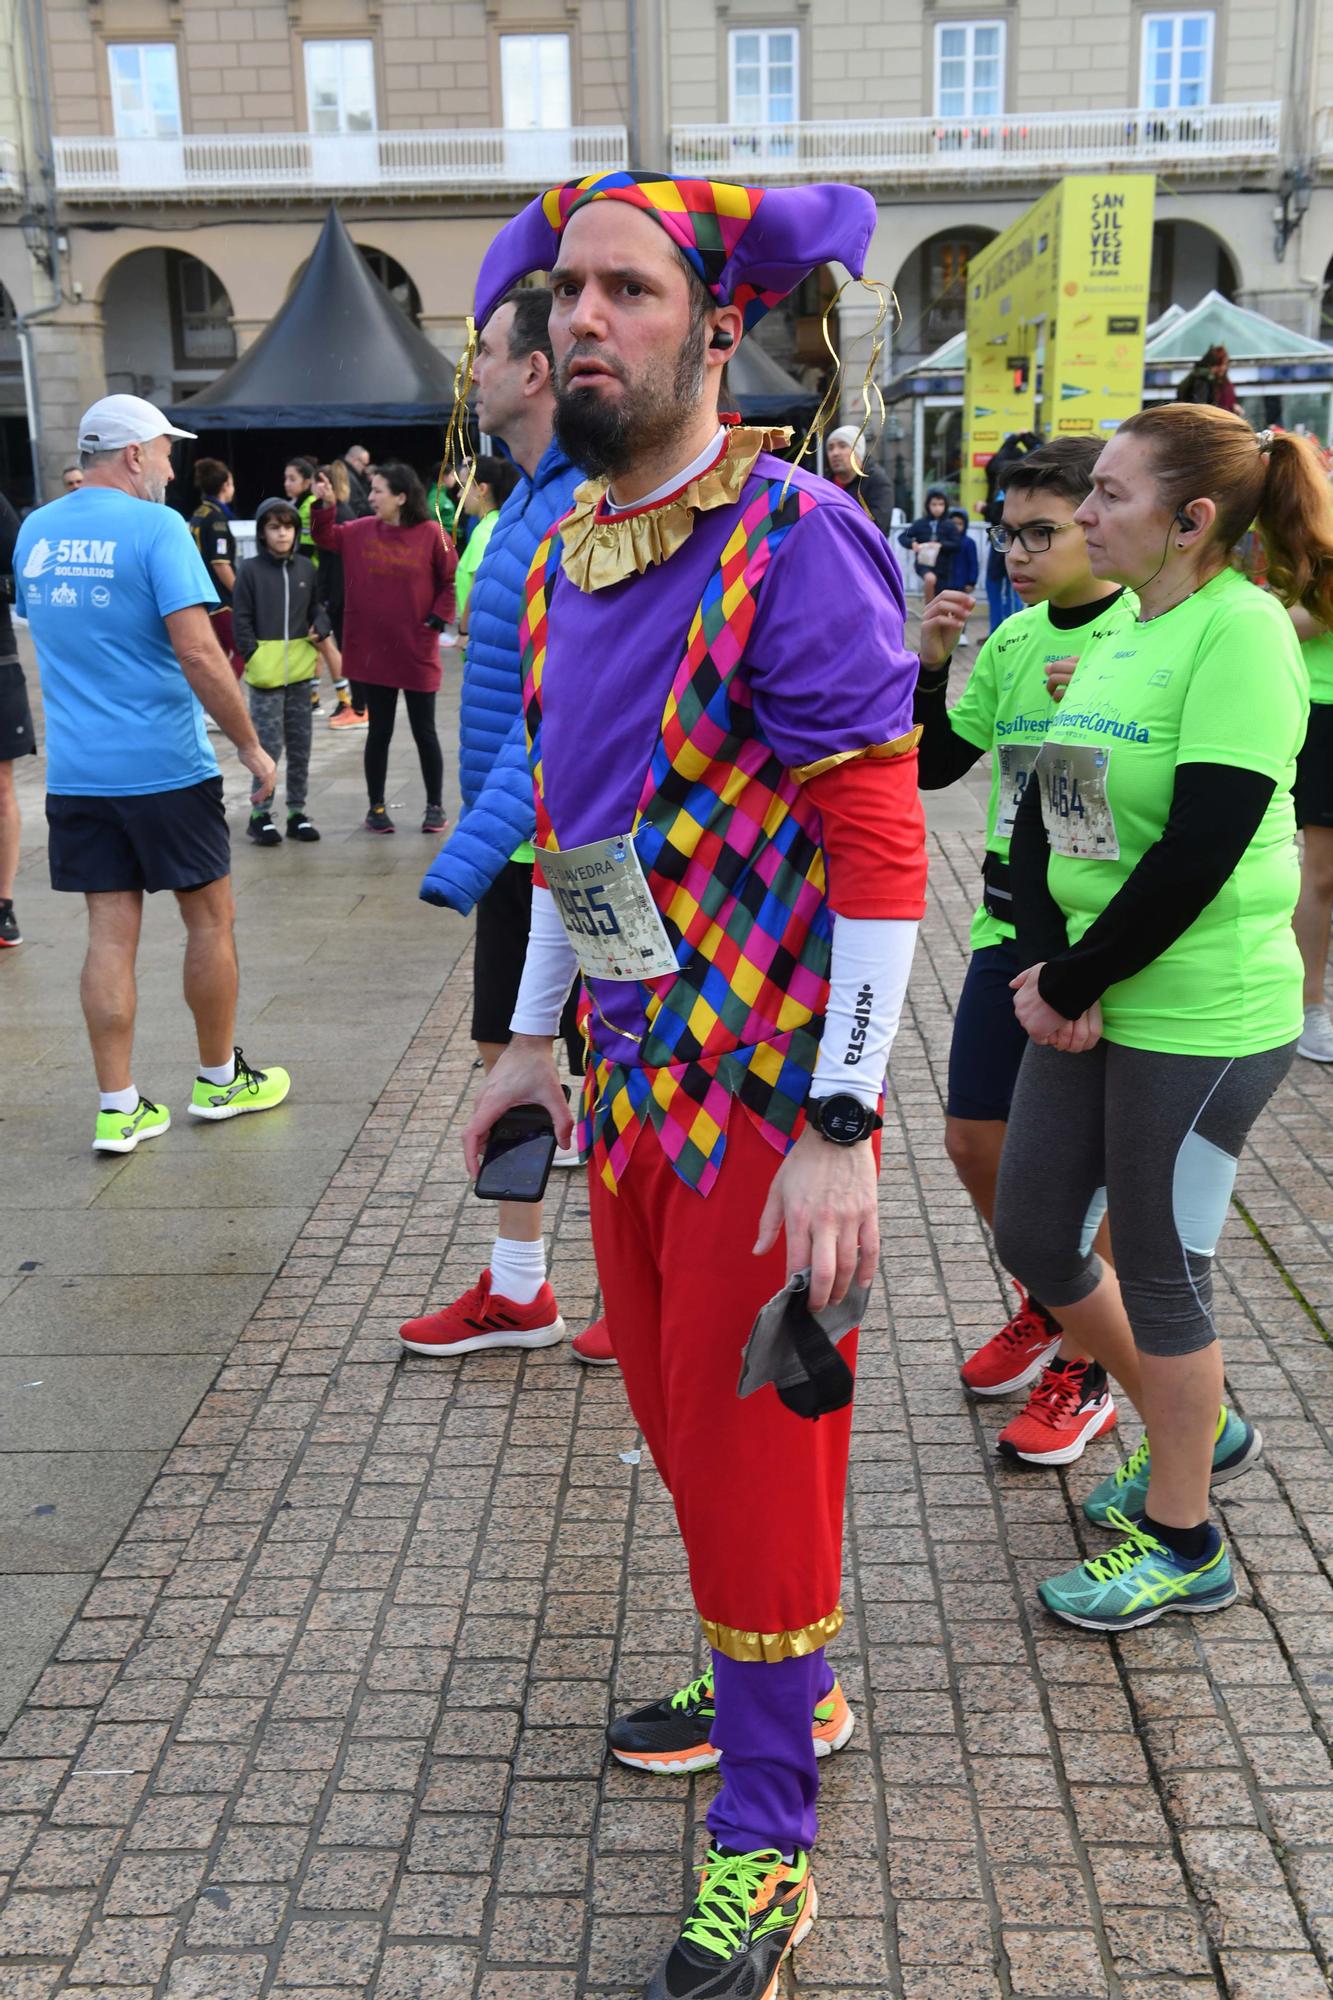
[[683, 705]]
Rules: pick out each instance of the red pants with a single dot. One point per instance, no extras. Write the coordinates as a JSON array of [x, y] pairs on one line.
[[758, 1490]]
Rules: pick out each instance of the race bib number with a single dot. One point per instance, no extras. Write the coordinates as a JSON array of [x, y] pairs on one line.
[[1016, 764], [608, 911], [1074, 806]]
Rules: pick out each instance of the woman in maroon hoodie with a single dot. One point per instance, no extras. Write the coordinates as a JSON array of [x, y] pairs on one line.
[[399, 569]]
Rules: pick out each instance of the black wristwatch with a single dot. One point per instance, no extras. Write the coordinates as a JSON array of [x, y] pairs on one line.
[[842, 1119]]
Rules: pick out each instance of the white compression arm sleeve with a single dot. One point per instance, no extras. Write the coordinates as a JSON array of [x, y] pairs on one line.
[[871, 964], [549, 970]]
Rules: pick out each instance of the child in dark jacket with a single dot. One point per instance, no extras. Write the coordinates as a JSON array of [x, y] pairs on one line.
[[277, 621], [966, 565], [932, 539]]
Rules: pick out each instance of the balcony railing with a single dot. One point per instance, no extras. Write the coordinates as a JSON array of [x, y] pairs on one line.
[[1024, 146], [228, 166]]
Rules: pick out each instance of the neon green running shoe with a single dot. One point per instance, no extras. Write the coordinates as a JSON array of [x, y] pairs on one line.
[[1138, 1581], [121, 1131], [1235, 1448], [249, 1090], [751, 1912]]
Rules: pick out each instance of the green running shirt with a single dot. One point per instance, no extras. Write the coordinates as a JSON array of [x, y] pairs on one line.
[[1318, 656], [1005, 709], [1217, 680]]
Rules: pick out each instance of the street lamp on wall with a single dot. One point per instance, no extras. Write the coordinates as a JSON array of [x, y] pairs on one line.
[[1293, 198]]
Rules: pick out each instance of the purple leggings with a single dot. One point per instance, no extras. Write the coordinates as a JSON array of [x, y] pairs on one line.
[[770, 1779]]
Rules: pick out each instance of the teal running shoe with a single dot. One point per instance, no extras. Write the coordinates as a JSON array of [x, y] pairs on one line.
[[1137, 1582], [1235, 1449], [121, 1131], [751, 1912]]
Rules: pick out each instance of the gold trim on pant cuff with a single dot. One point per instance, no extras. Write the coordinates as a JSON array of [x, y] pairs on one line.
[[771, 1647]]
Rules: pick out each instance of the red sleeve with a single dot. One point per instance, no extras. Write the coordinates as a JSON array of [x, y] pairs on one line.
[[538, 879], [325, 528], [874, 837]]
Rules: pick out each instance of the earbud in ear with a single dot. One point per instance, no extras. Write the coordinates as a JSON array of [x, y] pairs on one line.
[[723, 340], [1183, 520]]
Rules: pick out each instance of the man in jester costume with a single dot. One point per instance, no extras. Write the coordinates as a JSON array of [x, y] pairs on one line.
[[731, 848]]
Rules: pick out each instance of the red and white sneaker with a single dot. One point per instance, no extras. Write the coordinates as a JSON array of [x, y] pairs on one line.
[[1015, 1355], [593, 1346], [483, 1319], [1070, 1405]]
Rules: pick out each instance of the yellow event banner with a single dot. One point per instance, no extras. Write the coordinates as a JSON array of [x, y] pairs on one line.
[[1062, 296], [1093, 374]]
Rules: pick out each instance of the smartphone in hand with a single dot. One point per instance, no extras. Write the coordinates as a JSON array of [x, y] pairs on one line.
[[518, 1156]]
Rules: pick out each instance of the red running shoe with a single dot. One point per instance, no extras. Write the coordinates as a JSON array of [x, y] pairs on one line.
[[1071, 1404], [1015, 1355], [482, 1319], [593, 1346]]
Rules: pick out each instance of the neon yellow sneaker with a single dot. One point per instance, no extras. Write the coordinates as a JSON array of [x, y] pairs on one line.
[[121, 1131], [249, 1090]]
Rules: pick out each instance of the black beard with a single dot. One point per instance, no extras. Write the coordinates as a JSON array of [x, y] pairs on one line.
[[606, 437]]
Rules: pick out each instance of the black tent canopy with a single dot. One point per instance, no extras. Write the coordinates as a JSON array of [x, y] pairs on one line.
[[340, 352], [762, 390]]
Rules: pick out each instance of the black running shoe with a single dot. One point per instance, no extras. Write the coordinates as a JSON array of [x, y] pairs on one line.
[[262, 830], [377, 821], [434, 820], [10, 934], [750, 1913], [672, 1736], [299, 828]]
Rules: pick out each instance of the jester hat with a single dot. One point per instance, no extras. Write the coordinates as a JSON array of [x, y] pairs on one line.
[[750, 246]]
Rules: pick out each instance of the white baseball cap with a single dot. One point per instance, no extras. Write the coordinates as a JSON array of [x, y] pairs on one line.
[[116, 421]]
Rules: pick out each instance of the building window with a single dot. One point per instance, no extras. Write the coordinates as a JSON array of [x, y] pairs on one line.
[[1177, 61], [340, 86], [200, 313], [534, 83], [969, 69], [145, 90], [763, 66]]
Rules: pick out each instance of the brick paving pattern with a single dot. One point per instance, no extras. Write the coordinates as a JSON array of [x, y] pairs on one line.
[[330, 1722]]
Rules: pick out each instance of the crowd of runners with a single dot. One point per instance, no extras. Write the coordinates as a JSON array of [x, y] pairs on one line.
[[693, 838]]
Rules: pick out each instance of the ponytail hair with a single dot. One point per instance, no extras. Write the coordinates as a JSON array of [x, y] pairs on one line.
[[1272, 480], [1296, 523]]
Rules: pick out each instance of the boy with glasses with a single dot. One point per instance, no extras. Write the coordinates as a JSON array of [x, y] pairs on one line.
[[1006, 709]]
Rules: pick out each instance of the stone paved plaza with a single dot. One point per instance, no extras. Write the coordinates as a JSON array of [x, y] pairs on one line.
[[309, 1651]]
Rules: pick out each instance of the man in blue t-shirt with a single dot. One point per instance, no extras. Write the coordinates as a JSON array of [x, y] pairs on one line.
[[118, 599]]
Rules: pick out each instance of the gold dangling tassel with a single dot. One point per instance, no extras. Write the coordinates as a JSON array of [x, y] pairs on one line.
[[456, 430], [872, 396]]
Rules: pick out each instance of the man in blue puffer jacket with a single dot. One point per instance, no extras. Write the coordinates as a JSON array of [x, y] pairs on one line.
[[489, 859]]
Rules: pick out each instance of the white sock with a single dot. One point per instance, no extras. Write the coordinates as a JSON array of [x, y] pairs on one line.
[[518, 1270], [221, 1073], [120, 1100]]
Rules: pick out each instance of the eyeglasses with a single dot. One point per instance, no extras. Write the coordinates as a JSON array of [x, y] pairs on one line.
[[1036, 539]]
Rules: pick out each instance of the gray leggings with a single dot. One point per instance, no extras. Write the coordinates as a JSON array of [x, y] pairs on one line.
[[1154, 1136], [284, 720]]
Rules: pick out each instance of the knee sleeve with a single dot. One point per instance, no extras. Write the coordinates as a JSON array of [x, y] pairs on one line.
[[1173, 1314]]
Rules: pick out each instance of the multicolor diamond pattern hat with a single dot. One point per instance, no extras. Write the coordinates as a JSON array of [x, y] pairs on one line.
[[750, 246]]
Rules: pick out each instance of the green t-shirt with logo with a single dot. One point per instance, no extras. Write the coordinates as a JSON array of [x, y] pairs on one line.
[[1318, 657], [1217, 680], [1005, 709]]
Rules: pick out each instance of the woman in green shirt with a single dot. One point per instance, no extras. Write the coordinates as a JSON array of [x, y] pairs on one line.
[[1154, 875], [1314, 817], [493, 480]]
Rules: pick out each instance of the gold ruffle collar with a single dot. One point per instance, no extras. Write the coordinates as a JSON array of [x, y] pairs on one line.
[[598, 551]]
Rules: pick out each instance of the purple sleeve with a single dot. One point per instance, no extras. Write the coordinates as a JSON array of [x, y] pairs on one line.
[[826, 660]]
